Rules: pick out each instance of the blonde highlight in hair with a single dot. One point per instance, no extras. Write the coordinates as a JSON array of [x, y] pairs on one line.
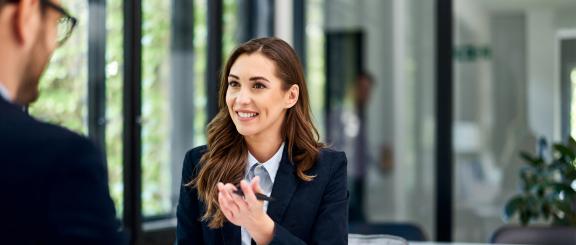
[[225, 159]]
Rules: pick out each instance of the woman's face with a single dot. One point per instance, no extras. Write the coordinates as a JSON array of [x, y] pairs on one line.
[[255, 96]]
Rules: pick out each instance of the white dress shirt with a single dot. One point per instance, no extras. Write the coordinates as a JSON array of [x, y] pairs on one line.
[[271, 166], [4, 93]]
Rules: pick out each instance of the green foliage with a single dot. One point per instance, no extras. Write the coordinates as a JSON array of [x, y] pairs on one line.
[[114, 88], [548, 191], [63, 85]]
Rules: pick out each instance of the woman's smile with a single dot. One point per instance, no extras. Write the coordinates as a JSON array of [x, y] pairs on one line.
[[245, 116]]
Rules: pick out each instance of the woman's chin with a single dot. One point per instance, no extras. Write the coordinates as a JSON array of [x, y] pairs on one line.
[[246, 132]]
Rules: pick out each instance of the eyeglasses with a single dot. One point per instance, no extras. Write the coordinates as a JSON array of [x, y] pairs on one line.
[[66, 23]]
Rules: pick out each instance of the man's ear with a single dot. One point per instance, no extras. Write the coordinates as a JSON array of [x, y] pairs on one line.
[[26, 20], [293, 94]]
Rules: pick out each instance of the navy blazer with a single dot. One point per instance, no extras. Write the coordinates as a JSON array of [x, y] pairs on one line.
[[314, 212], [53, 185]]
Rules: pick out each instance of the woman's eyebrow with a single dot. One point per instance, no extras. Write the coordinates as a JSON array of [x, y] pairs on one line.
[[259, 78], [233, 76]]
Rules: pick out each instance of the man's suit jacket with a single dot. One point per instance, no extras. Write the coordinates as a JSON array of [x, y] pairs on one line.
[[53, 185], [314, 212]]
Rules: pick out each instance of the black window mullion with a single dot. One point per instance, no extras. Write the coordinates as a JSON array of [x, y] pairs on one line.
[[271, 18], [444, 170], [247, 12], [97, 72], [132, 102], [299, 15], [214, 54]]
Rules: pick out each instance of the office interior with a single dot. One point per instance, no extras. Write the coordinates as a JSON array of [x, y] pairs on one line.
[[459, 88]]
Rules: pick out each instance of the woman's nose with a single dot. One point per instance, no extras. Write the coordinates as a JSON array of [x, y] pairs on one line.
[[243, 97]]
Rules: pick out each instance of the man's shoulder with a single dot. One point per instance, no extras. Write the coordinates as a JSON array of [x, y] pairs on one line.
[[49, 133], [22, 133]]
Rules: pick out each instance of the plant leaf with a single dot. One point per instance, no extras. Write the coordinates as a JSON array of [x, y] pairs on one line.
[[565, 152], [512, 206], [532, 160]]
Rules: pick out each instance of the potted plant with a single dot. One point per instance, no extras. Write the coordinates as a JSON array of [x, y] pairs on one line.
[[548, 187]]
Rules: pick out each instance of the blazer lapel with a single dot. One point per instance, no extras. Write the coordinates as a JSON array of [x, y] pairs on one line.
[[231, 234], [284, 186]]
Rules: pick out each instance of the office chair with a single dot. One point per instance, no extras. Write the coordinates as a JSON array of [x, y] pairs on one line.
[[408, 231], [541, 235]]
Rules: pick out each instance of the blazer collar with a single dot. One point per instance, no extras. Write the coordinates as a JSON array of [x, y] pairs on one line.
[[283, 189]]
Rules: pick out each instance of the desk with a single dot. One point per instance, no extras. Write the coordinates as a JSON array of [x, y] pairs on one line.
[[453, 243], [355, 239]]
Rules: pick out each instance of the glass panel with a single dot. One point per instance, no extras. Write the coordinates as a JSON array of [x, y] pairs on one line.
[[573, 103], [156, 112], [200, 49], [170, 109], [230, 35], [506, 93], [63, 87], [316, 76], [380, 103], [114, 93]]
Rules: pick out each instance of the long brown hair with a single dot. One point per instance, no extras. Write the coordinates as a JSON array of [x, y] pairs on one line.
[[225, 160]]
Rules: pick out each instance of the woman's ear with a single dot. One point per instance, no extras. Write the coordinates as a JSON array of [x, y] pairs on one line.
[[293, 94]]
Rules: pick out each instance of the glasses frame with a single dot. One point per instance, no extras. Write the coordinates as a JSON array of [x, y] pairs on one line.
[[66, 16]]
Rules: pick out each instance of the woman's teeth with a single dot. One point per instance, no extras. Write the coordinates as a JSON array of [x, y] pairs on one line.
[[247, 115]]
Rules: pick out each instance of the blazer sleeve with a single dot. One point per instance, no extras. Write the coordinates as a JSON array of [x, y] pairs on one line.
[[80, 210], [189, 227], [331, 226]]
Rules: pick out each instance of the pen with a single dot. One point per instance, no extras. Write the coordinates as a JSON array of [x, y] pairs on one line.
[[259, 196]]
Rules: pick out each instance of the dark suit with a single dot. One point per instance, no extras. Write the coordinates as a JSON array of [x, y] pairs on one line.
[[53, 185], [314, 212]]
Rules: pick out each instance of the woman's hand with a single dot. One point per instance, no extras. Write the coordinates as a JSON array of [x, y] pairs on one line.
[[246, 211]]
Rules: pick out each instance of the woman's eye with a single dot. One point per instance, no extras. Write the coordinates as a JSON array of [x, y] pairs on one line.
[[233, 84], [259, 85]]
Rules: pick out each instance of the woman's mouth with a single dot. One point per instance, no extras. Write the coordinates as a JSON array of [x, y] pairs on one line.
[[244, 116]]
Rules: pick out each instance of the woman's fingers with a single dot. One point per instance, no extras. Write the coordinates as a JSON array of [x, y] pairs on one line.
[[224, 207], [255, 185], [226, 202], [240, 202]]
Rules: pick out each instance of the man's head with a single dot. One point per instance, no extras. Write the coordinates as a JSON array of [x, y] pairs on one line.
[[30, 30]]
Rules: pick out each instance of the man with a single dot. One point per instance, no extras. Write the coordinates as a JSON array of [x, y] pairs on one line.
[[53, 182]]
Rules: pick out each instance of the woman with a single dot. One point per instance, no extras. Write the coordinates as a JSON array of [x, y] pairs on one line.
[[263, 141]]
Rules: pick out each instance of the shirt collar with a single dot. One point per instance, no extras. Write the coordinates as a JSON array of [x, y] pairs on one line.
[[4, 93], [271, 165]]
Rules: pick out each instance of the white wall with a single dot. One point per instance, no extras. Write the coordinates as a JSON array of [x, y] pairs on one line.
[[543, 89]]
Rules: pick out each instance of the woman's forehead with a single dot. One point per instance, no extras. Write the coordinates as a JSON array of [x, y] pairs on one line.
[[253, 64]]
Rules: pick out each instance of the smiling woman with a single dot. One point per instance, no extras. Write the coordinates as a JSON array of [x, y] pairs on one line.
[[263, 141], [256, 97]]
